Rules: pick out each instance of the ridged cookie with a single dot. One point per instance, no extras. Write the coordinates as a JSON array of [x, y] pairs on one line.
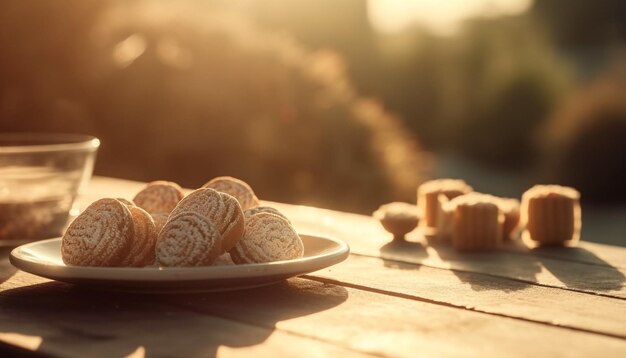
[[235, 187], [552, 214], [159, 197], [159, 220], [142, 246], [221, 209], [428, 197], [263, 209], [267, 238], [477, 223], [100, 236], [188, 239]]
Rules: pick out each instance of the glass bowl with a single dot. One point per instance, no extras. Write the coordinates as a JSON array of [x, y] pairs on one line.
[[41, 175]]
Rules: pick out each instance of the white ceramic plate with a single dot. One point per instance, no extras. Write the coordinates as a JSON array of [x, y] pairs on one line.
[[43, 258]]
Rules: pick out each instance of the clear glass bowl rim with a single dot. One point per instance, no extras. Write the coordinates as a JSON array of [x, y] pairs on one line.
[[46, 142]]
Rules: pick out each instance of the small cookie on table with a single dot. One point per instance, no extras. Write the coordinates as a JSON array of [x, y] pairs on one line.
[[428, 197], [397, 218], [552, 214], [477, 222]]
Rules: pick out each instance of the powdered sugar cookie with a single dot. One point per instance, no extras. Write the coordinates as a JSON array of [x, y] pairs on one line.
[[223, 260], [159, 220], [235, 187], [267, 238], [100, 236], [126, 202], [141, 251], [188, 239], [220, 208], [159, 197], [263, 209]]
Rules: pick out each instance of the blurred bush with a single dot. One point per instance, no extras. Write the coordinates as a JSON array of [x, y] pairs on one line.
[[585, 142], [182, 94], [513, 81], [482, 93]]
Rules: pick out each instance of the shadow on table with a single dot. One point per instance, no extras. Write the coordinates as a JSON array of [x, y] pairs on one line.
[[6, 269], [400, 250], [579, 268], [81, 322], [481, 270], [489, 270], [515, 267]]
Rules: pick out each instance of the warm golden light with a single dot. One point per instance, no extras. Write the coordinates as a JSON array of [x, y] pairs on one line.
[[440, 16]]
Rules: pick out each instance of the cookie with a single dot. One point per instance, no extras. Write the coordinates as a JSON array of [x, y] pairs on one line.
[[100, 236], [235, 187], [267, 238], [552, 214], [397, 218], [263, 209], [159, 197], [220, 208], [477, 223], [141, 252], [188, 239], [445, 218], [223, 260], [126, 202], [511, 210], [159, 220], [428, 197]]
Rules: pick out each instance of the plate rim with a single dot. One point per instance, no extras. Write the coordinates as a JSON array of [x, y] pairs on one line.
[[289, 268]]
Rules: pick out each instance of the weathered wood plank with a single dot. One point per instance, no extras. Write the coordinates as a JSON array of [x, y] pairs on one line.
[[366, 237], [395, 326], [62, 320], [487, 294]]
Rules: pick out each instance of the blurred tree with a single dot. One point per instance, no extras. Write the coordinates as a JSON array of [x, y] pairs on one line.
[[181, 92], [585, 141], [482, 93]]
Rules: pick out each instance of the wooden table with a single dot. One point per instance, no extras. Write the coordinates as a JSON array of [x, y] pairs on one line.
[[408, 299]]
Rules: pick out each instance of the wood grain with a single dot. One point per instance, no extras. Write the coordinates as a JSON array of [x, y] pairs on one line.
[[493, 295], [62, 320], [383, 324]]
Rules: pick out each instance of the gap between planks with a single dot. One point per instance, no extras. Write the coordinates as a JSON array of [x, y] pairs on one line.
[[451, 305], [529, 282]]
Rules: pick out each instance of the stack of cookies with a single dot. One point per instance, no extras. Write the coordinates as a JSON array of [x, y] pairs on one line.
[[220, 222], [450, 211], [471, 221]]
